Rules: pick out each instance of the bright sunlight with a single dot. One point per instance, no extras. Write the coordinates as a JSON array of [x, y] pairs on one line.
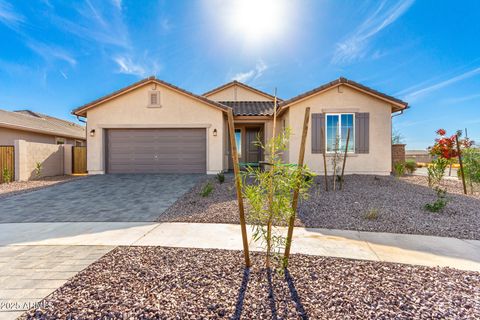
[[257, 20]]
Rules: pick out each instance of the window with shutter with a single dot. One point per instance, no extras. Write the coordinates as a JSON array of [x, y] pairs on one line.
[[318, 141], [362, 132]]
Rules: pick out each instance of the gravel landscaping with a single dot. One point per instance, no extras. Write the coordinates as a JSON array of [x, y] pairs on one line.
[[174, 283], [17, 187], [397, 203]]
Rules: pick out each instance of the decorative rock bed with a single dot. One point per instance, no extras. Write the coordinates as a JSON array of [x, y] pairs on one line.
[[169, 283], [398, 202]]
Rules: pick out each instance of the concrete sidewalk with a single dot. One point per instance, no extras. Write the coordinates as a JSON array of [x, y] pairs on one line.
[[38, 258], [401, 248]]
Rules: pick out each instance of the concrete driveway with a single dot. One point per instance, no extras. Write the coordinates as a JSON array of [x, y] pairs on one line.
[[106, 198]]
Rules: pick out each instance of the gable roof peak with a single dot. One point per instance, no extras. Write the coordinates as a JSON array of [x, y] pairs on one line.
[[80, 111], [241, 84], [400, 104]]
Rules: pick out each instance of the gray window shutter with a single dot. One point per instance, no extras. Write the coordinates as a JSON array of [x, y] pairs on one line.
[[318, 142], [362, 132]]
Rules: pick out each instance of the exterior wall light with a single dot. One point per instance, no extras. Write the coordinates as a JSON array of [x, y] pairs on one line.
[[214, 132], [92, 132]]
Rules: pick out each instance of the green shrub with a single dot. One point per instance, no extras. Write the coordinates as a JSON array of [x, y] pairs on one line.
[[6, 175], [206, 190], [220, 177], [372, 214], [399, 169], [471, 167], [38, 169], [410, 166], [436, 171], [440, 203]]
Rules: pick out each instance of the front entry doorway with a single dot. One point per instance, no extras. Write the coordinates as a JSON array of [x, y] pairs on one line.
[[246, 137]]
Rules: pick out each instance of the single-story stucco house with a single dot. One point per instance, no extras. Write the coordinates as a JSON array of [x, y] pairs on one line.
[[155, 127], [37, 127]]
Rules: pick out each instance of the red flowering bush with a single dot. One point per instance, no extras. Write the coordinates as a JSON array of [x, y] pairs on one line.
[[445, 147]]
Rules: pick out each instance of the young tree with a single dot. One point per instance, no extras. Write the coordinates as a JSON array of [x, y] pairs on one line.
[[269, 194]]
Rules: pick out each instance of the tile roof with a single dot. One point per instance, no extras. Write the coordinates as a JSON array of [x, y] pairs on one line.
[[250, 108], [37, 122]]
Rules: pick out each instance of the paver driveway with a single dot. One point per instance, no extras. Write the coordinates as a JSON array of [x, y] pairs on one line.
[[99, 198]]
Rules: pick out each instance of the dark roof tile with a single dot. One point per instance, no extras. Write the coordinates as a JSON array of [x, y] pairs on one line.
[[250, 108]]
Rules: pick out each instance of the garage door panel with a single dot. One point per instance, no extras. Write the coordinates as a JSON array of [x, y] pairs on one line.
[[175, 150]]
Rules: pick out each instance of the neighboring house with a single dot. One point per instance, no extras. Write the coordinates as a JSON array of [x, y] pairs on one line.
[[418, 155], [36, 127], [153, 126]]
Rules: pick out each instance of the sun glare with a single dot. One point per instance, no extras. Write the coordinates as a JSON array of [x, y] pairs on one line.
[[257, 20]]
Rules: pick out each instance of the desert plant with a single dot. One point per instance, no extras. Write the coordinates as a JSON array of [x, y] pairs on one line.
[[6, 175], [436, 171], [471, 167], [372, 214], [336, 160], [38, 169], [206, 189], [399, 169], [410, 166], [441, 201], [269, 196], [220, 177]]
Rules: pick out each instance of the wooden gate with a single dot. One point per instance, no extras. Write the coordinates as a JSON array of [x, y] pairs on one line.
[[7, 163], [79, 159]]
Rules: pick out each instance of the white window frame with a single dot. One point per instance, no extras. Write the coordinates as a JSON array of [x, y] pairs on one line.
[[156, 105], [58, 139], [352, 132]]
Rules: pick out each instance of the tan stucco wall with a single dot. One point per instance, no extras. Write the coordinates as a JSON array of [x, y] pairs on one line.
[[237, 93], [8, 136], [27, 154], [377, 161], [177, 110]]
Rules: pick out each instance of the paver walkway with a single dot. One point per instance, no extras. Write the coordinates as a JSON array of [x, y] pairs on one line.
[[30, 273]]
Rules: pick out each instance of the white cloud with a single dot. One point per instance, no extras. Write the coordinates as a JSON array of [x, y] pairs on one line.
[[104, 26], [9, 16], [118, 4], [50, 53], [356, 45], [252, 74], [462, 99], [127, 65], [411, 95]]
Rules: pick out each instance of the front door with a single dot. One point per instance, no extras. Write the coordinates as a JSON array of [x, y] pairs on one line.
[[253, 152]]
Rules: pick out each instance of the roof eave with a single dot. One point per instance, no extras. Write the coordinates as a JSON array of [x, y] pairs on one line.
[[48, 132], [81, 111], [343, 81]]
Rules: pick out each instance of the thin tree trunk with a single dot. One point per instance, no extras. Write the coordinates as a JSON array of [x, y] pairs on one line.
[[344, 159], [236, 170], [325, 160], [461, 165], [271, 191], [296, 192]]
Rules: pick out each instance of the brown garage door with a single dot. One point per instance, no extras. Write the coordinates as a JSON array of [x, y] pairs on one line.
[[156, 151]]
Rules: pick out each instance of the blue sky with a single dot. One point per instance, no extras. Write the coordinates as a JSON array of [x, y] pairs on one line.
[[57, 55]]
